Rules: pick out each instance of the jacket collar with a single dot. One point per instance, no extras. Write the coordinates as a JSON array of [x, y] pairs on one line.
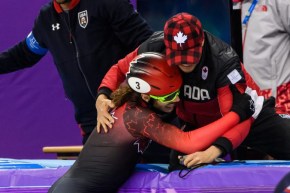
[[71, 6]]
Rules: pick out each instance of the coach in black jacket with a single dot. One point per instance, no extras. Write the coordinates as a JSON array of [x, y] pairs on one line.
[[85, 38]]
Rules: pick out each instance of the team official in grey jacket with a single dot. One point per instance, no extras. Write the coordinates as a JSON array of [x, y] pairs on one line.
[[266, 36]]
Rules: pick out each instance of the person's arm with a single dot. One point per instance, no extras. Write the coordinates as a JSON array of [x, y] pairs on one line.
[[216, 150], [22, 55], [116, 75], [111, 81], [148, 124], [234, 137], [186, 142]]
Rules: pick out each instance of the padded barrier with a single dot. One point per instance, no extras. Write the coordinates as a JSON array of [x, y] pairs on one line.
[[36, 176]]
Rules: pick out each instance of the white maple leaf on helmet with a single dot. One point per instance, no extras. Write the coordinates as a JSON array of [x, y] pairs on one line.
[[180, 38]]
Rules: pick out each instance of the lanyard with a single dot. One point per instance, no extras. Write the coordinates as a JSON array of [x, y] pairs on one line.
[[249, 13]]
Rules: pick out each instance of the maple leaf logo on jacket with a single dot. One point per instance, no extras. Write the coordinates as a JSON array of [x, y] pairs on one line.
[[180, 38]]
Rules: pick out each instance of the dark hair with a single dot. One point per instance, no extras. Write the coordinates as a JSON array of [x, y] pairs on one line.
[[125, 94]]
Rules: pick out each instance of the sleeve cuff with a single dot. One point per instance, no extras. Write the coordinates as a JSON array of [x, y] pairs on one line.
[[224, 144], [106, 91]]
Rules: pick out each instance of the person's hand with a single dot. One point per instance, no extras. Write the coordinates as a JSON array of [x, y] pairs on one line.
[[207, 156], [104, 119], [243, 104]]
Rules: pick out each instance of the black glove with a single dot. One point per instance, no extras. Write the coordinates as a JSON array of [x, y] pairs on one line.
[[270, 102], [243, 104]]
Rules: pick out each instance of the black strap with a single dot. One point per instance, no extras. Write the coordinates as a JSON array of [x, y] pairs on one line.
[[184, 172]]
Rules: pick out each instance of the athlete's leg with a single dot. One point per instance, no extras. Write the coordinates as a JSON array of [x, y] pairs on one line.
[[102, 167]]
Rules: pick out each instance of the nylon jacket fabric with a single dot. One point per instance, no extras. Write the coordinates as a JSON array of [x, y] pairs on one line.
[[266, 49]]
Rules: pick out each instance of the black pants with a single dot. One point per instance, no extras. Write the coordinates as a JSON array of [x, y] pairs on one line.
[[270, 133]]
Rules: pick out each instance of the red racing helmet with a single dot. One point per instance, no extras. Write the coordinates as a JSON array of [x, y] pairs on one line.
[[150, 74]]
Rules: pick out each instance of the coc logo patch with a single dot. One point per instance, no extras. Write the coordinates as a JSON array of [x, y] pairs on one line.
[[83, 18]]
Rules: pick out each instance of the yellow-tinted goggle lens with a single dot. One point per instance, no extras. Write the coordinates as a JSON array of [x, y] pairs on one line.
[[166, 98]]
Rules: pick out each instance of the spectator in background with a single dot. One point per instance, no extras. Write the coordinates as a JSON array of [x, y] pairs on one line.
[[266, 48], [85, 38]]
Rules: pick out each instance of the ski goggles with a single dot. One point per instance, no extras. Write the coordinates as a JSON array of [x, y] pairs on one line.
[[166, 98]]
